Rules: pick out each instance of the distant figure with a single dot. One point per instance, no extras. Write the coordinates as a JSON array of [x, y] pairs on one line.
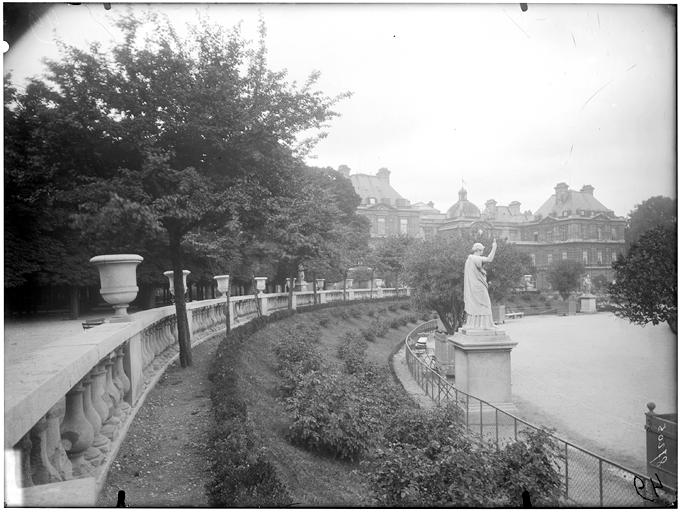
[[301, 274], [476, 289]]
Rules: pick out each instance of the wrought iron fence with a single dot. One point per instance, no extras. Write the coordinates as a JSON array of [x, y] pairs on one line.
[[588, 480]]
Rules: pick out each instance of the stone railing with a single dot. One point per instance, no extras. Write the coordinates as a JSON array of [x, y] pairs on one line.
[[69, 405]]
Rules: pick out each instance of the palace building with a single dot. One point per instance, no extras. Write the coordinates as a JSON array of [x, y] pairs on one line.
[[570, 225]]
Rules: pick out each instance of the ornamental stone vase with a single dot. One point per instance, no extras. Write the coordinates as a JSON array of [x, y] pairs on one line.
[[319, 284], [118, 277], [169, 274], [261, 283], [222, 284]]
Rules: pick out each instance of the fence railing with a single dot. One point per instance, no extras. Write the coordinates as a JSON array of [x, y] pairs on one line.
[[588, 480], [68, 406]]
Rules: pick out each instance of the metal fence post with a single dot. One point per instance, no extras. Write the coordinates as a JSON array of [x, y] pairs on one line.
[[566, 470], [601, 493], [515, 428], [497, 444], [481, 420]]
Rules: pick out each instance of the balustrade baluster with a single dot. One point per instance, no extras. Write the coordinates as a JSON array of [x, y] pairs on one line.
[[55, 449], [42, 470], [116, 371], [93, 454], [147, 355], [111, 388], [77, 433], [120, 356], [112, 421], [24, 447]]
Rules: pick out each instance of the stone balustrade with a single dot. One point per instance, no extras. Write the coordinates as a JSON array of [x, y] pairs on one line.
[[69, 405]]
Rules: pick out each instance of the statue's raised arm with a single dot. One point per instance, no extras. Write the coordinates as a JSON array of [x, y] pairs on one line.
[[489, 258]]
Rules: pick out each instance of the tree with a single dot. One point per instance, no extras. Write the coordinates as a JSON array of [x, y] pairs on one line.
[[645, 289], [434, 270], [657, 211], [389, 255], [505, 272], [565, 276], [169, 135]]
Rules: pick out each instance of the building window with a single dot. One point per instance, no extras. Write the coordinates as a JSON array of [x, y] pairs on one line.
[[549, 235], [372, 200], [599, 257], [564, 255], [549, 259], [613, 256], [613, 233], [535, 236], [403, 226], [381, 225], [563, 233], [533, 259], [585, 257]]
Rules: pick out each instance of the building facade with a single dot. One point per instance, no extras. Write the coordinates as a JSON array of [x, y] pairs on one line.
[[570, 225]]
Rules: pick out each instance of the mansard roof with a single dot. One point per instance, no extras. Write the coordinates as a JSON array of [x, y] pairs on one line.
[[374, 186], [573, 202]]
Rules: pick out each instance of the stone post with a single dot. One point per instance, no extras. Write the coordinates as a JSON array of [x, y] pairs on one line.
[[93, 454]]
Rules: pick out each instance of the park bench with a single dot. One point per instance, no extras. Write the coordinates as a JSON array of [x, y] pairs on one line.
[[514, 314], [93, 322]]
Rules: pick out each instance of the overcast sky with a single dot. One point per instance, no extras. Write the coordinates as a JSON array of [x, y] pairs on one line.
[[511, 102]]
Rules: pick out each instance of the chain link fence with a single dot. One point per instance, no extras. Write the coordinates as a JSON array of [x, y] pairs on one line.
[[588, 480]]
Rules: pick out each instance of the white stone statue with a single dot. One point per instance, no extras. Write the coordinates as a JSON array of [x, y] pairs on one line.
[[476, 289], [301, 274], [587, 285]]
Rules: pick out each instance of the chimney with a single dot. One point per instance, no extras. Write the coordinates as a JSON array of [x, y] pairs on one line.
[[490, 208], [561, 192], [587, 189], [344, 170], [514, 207], [383, 174]]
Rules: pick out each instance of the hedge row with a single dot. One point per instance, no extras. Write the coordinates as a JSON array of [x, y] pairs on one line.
[[241, 474]]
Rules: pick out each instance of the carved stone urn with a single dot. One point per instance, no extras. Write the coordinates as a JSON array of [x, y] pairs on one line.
[[169, 274], [260, 283], [222, 284], [118, 278]]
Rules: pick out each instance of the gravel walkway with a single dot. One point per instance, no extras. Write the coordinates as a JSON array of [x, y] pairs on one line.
[[162, 462]]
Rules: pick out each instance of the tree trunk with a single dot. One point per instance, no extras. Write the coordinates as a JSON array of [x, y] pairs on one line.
[[372, 274], [183, 333], [344, 286], [314, 286], [673, 324], [256, 293], [74, 302], [290, 293]]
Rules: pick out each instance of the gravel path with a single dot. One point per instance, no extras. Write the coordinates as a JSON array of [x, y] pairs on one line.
[[162, 462]]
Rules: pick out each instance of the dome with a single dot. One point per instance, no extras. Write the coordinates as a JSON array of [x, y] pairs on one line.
[[463, 208]]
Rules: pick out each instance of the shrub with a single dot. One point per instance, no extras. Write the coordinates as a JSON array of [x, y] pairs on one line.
[[332, 414], [323, 319], [395, 323], [371, 313], [405, 306], [430, 461], [379, 327], [352, 351], [393, 308], [355, 312], [368, 334], [297, 354]]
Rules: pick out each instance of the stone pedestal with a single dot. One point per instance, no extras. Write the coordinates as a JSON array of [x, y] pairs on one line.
[[444, 353], [482, 365], [588, 303]]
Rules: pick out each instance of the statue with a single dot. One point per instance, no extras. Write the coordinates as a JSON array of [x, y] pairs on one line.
[[301, 274], [476, 290], [587, 285]]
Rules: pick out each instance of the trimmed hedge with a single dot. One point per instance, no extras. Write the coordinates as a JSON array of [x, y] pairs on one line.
[[241, 474]]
